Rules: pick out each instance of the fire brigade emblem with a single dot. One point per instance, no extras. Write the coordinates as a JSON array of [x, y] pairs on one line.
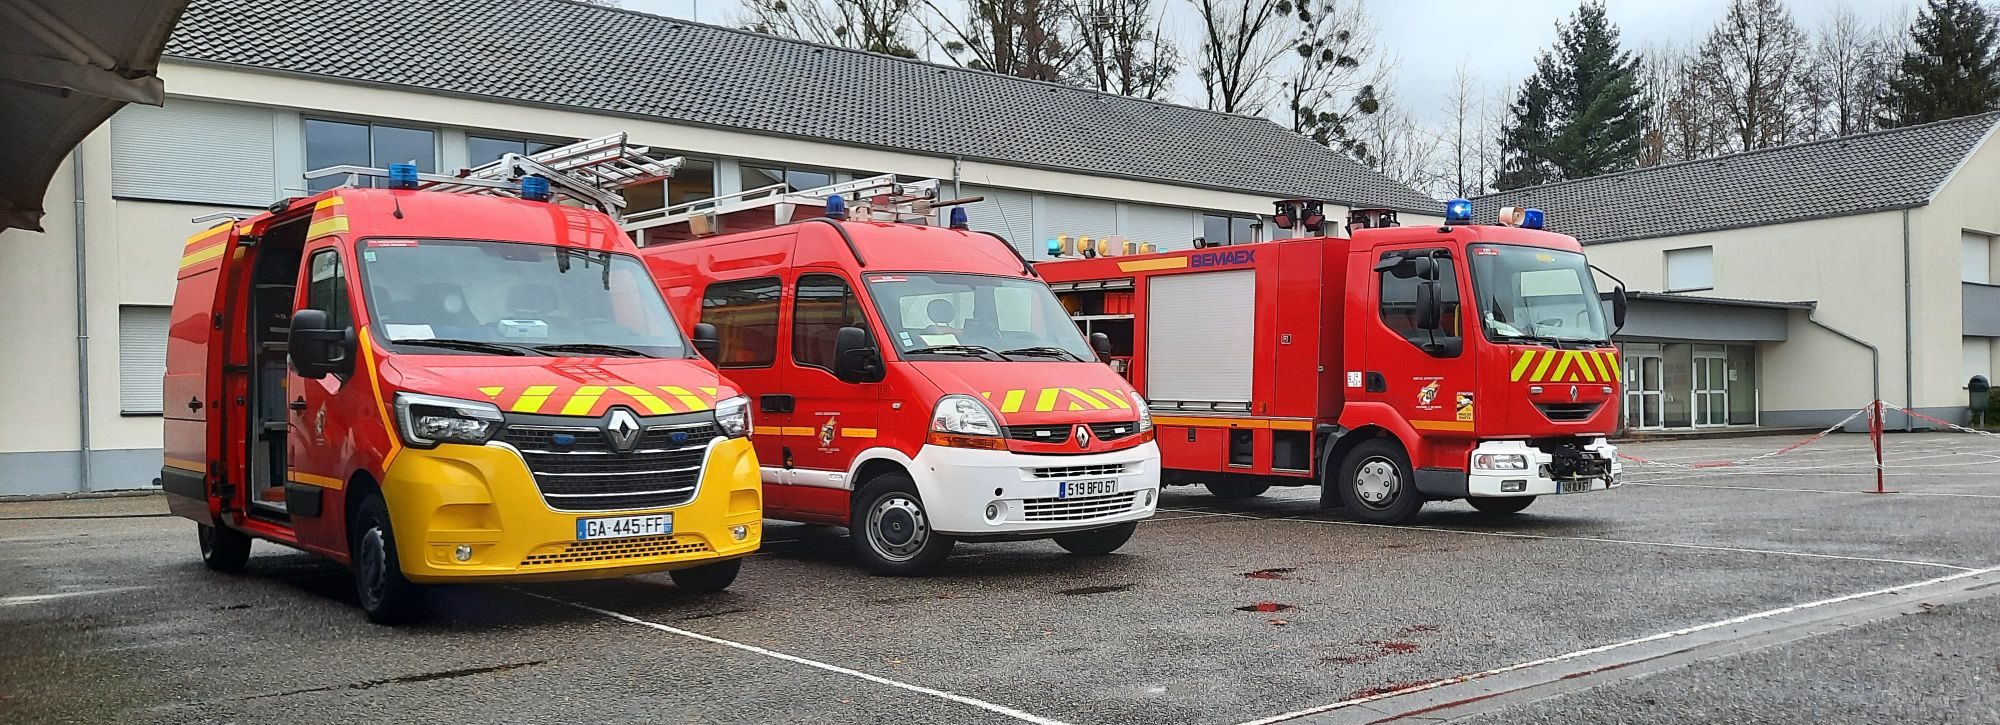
[[826, 433], [1427, 395]]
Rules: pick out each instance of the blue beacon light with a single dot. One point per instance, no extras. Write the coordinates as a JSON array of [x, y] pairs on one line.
[[836, 207], [959, 219], [1458, 211], [1531, 219], [402, 176], [535, 188], [1055, 247]]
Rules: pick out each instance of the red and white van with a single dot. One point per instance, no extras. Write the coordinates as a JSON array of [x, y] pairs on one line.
[[919, 385]]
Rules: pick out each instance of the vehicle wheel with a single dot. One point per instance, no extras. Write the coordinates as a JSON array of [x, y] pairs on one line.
[[707, 577], [1500, 504], [891, 531], [1236, 490], [1376, 484], [222, 548], [386, 597], [1097, 542]]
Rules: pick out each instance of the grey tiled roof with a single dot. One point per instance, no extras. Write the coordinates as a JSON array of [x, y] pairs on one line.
[[620, 62], [1879, 171]]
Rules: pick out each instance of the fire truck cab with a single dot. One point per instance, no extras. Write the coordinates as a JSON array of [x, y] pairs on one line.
[[1395, 366], [914, 383], [435, 387]]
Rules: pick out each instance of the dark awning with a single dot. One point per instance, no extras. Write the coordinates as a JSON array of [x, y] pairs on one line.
[[65, 67]]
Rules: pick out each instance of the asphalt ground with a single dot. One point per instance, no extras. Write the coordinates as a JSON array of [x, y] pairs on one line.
[[1771, 591]]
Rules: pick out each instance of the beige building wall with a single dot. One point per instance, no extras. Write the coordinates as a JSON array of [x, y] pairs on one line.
[[1968, 202]]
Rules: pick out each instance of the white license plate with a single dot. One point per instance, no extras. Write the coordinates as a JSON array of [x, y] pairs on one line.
[[619, 527], [1070, 489], [1578, 486]]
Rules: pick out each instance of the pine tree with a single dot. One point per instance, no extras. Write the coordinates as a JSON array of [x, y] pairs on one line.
[[1952, 71], [1581, 114]]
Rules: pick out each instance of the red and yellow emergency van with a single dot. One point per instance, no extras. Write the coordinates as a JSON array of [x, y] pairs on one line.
[[918, 385], [437, 387]]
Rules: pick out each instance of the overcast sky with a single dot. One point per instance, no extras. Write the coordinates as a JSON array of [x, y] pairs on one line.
[[1496, 39]]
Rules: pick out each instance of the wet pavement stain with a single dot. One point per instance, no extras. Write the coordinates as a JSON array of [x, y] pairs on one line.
[[1086, 591]]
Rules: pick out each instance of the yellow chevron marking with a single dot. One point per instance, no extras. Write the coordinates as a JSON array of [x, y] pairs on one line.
[[652, 403], [492, 393], [1583, 364], [1542, 368], [583, 400], [712, 392], [1087, 398], [1047, 400], [329, 202], [1602, 372], [1116, 399], [1562, 366], [688, 399], [1521, 365], [1012, 402], [532, 399], [1617, 370], [329, 225]]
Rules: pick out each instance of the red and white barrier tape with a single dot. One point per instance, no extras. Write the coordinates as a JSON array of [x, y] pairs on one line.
[[1753, 459], [1945, 423]]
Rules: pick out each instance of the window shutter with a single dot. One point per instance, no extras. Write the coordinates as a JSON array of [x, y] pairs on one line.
[[1077, 217], [1168, 227], [142, 357], [1690, 269], [189, 151], [1008, 213]]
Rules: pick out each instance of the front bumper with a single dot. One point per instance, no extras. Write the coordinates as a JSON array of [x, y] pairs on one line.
[[958, 484], [484, 497], [1538, 479]]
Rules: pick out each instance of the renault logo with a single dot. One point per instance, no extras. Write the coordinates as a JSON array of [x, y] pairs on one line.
[[1572, 393], [622, 430], [1083, 436]]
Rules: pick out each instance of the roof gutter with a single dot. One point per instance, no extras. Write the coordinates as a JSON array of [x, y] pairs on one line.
[[82, 325], [1909, 331], [1874, 353]]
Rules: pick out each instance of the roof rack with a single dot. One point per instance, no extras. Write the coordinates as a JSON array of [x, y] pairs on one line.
[[590, 172], [882, 198]]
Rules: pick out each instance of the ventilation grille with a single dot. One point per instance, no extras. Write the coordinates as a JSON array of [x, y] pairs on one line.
[[1098, 470], [638, 547], [1082, 508]]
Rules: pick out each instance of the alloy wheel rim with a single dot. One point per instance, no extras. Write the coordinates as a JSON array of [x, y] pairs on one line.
[[897, 528], [1377, 483]]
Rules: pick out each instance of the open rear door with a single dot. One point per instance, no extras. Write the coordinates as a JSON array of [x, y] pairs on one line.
[[192, 394]]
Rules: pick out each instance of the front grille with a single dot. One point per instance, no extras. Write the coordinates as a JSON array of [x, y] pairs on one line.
[[1096, 470], [1082, 508], [1040, 433], [1568, 412], [1108, 432], [638, 547], [577, 469]]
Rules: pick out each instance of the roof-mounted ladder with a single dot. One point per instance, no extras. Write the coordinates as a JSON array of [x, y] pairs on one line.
[[881, 198], [589, 172]]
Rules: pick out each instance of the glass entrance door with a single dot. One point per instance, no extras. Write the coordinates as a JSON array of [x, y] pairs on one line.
[[1711, 386], [1643, 409]]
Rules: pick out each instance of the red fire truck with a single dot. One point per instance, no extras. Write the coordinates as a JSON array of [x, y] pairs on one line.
[[1399, 365], [437, 387], [915, 383]]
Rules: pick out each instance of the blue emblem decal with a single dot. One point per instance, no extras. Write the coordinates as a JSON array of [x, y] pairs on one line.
[[563, 439], [679, 436]]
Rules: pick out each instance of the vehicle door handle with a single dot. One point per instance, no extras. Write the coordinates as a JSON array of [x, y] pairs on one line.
[[194, 404], [299, 404], [776, 403]]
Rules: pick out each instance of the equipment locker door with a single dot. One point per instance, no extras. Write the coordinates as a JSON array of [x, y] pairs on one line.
[[834, 420], [1425, 374]]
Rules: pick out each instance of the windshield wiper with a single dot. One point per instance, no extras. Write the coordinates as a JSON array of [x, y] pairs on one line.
[[592, 347], [1556, 341], [978, 350], [1043, 351], [491, 348]]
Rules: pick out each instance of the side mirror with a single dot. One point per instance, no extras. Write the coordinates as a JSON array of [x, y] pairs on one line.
[[1430, 309], [707, 341], [317, 350], [1101, 344], [1619, 304], [855, 359]]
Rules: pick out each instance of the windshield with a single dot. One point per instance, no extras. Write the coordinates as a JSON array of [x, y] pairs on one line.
[[515, 298], [968, 316], [1532, 292]]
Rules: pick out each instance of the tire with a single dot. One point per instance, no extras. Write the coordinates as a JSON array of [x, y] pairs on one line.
[[222, 548], [1236, 490], [707, 578], [386, 597], [1376, 484], [1500, 504], [1097, 542], [890, 530]]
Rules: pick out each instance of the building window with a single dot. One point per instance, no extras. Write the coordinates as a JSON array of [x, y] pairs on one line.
[[1977, 258], [142, 357], [1224, 229], [338, 143], [1690, 269], [745, 316], [693, 181], [756, 176], [480, 150], [1978, 352], [824, 304]]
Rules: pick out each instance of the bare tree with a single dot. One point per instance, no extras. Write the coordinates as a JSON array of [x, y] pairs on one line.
[[1240, 42], [1854, 61], [1463, 135], [1400, 148], [881, 26], [1326, 88], [1755, 67], [1126, 47], [1022, 38]]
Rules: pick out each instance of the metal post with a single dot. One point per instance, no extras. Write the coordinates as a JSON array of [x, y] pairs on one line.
[[1875, 433], [82, 325]]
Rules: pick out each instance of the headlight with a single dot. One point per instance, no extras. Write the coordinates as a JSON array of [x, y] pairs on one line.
[[427, 420], [1145, 413], [733, 416], [1500, 461], [963, 415]]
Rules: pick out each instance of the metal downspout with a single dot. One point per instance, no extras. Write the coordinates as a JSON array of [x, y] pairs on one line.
[[1874, 354], [82, 326], [1909, 331]]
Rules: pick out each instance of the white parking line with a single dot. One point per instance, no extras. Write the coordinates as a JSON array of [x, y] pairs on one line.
[[37, 598], [1595, 539], [1857, 491], [1733, 621], [795, 659]]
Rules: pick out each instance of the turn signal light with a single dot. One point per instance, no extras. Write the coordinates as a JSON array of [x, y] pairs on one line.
[[949, 440]]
